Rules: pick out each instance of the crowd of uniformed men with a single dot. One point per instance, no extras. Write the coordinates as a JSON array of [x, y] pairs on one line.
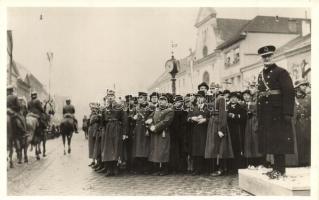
[[209, 132]]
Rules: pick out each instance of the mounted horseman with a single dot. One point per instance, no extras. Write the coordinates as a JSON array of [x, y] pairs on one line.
[[68, 124], [37, 122], [15, 125]]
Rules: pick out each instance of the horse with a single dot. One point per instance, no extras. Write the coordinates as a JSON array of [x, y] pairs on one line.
[[15, 132], [67, 129]]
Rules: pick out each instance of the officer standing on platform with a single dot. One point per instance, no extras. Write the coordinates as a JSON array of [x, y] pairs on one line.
[[275, 108]]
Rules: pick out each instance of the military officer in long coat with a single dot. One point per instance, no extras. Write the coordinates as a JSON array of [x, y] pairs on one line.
[[141, 136], [114, 131], [275, 109], [93, 127], [198, 116], [236, 119], [177, 162], [127, 148], [303, 123], [159, 122]]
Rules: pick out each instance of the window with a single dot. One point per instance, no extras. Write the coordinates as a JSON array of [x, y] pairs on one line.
[[205, 51], [232, 57], [206, 77]]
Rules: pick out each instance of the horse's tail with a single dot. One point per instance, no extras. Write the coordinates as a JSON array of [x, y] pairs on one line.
[[67, 126]]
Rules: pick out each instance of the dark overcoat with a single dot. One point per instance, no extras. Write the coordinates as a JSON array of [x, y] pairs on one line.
[[160, 138], [141, 136], [236, 129], [251, 149], [303, 129], [218, 147], [178, 131], [92, 130], [198, 131], [275, 134], [115, 119]]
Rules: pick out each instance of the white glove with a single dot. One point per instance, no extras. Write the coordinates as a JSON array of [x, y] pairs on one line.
[[194, 119], [200, 121], [149, 121], [135, 117], [124, 137], [152, 128], [220, 134]]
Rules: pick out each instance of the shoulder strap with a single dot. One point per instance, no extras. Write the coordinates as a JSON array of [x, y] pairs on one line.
[[263, 80]]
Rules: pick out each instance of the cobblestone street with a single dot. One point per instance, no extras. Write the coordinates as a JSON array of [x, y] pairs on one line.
[[57, 174]]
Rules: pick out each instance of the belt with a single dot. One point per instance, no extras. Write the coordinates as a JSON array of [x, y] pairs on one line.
[[268, 93], [111, 120]]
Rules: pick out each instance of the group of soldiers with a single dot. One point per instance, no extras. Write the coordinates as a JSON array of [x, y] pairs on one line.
[[209, 132]]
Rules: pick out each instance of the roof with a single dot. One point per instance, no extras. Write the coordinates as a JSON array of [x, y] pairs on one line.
[[228, 28], [295, 43], [264, 24]]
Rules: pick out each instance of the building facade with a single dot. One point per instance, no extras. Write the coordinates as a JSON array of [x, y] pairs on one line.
[[226, 50]]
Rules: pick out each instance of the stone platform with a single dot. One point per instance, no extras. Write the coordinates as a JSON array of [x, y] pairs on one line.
[[297, 182]]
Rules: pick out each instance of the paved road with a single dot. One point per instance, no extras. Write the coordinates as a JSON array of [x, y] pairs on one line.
[[59, 174]]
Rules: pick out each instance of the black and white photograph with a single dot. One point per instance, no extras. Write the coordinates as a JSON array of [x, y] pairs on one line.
[[158, 101]]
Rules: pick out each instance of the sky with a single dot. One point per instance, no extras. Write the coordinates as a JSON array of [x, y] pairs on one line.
[[96, 49]]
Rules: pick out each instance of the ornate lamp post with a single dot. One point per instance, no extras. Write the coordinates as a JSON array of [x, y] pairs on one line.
[[172, 66]]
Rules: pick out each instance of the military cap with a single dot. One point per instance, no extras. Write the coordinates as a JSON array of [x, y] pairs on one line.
[[68, 99], [226, 92], [110, 92], [301, 82], [34, 92], [163, 96], [203, 84], [142, 94], [246, 92], [154, 94], [200, 94], [233, 94], [266, 50], [239, 95], [178, 98]]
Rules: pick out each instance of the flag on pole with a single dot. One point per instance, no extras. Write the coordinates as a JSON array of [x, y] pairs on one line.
[[9, 42]]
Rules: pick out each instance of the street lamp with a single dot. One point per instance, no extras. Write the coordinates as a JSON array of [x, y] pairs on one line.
[[172, 67]]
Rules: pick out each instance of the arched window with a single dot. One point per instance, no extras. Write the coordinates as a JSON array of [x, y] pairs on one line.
[[205, 51], [206, 77]]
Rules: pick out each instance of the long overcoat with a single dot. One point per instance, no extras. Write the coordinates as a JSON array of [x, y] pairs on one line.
[[140, 135], [274, 132], [178, 131], [115, 119], [198, 131], [160, 138], [303, 129], [92, 130], [218, 147], [251, 149]]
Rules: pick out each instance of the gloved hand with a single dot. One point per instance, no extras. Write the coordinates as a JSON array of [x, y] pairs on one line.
[[152, 128], [287, 119], [220, 134]]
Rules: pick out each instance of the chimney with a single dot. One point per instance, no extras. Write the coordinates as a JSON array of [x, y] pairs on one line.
[[277, 18], [305, 27]]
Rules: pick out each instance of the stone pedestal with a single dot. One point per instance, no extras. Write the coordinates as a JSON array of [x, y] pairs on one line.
[[297, 182]]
